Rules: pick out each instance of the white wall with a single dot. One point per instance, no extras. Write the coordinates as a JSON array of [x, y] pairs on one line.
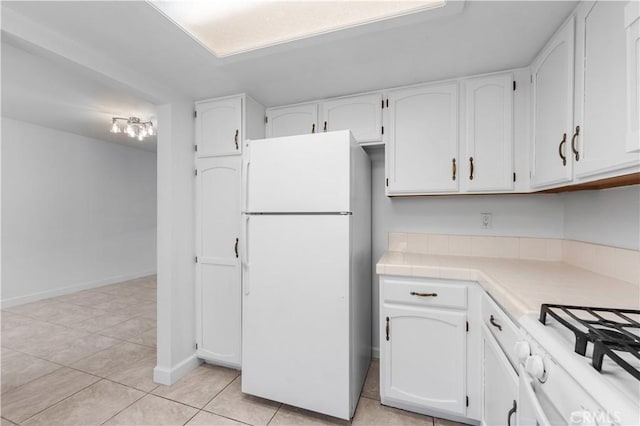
[[513, 215], [76, 212], [176, 243], [609, 216]]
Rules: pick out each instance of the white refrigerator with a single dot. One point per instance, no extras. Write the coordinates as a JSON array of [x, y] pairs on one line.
[[306, 331]]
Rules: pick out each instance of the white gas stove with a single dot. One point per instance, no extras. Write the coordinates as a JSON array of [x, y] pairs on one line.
[[559, 386]]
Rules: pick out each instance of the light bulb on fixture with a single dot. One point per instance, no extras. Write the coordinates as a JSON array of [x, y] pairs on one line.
[[114, 127], [134, 127]]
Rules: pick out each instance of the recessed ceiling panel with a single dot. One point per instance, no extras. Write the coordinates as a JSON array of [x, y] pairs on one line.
[[228, 27]]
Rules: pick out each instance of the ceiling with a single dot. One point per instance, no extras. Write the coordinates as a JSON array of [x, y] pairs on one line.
[[61, 95], [128, 56]]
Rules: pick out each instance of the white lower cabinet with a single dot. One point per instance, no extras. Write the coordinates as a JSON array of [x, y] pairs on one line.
[[500, 384], [424, 355], [446, 350], [218, 271], [423, 346]]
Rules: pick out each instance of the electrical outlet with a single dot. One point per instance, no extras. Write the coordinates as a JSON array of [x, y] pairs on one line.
[[485, 220]]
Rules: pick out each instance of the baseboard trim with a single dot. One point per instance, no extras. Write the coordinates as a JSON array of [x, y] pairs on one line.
[[20, 300], [375, 353], [168, 377]]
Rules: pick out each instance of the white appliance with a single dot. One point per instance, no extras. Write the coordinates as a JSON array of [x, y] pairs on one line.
[[559, 386], [306, 332]]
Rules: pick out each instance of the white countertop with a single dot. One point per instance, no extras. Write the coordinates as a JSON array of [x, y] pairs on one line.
[[520, 286]]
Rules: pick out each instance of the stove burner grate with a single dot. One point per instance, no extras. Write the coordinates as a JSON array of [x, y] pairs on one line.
[[609, 337]]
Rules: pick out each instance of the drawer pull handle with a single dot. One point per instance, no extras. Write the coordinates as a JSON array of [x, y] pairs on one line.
[[493, 322], [413, 293]]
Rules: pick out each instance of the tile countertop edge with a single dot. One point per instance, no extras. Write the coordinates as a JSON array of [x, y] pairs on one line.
[[472, 269]]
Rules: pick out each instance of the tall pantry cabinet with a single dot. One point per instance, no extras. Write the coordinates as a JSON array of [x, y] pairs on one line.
[[221, 127]]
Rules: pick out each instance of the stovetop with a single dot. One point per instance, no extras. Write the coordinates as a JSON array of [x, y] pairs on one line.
[[613, 333]]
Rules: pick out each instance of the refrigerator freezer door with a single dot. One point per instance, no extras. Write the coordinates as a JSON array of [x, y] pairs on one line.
[[296, 311], [307, 173]]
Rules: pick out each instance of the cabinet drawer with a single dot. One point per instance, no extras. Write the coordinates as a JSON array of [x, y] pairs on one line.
[[501, 327], [425, 293]]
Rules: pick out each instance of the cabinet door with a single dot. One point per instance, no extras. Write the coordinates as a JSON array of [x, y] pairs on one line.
[[423, 140], [552, 74], [632, 30], [423, 361], [219, 127], [218, 272], [601, 91], [500, 384], [360, 114], [291, 121], [489, 134]]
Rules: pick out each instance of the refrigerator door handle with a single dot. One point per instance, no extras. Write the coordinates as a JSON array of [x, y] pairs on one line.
[[245, 253], [245, 185]]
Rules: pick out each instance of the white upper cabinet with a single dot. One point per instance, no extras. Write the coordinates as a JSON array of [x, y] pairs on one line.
[[632, 32], [223, 123], [423, 140], [488, 158], [552, 75], [602, 87], [219, 127], [293, 120], [360, 114]]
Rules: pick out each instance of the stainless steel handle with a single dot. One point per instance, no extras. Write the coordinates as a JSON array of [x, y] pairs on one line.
[[453, 168], [574, 148], [493, 322], [235, 138], [511, 412], [413, 293], [235, 248], [561, 151], [470, 168]]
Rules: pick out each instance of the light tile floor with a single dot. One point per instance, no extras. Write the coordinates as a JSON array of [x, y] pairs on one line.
[[87, 359]]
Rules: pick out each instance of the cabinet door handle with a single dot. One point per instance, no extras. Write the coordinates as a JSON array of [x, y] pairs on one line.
[[313, 128], [470, 168], [325, 127], [561, 150], [387, 328], [235, 248], [493, 322], [235, 138], [511, 412], [453, 168], [573, 143], [413, 293]]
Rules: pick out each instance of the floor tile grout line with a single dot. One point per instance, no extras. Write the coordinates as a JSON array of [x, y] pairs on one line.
[[135, 401], [72, 328], [274, 414], [219, 392], [191, 418], [63, 399], [173, 400]]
